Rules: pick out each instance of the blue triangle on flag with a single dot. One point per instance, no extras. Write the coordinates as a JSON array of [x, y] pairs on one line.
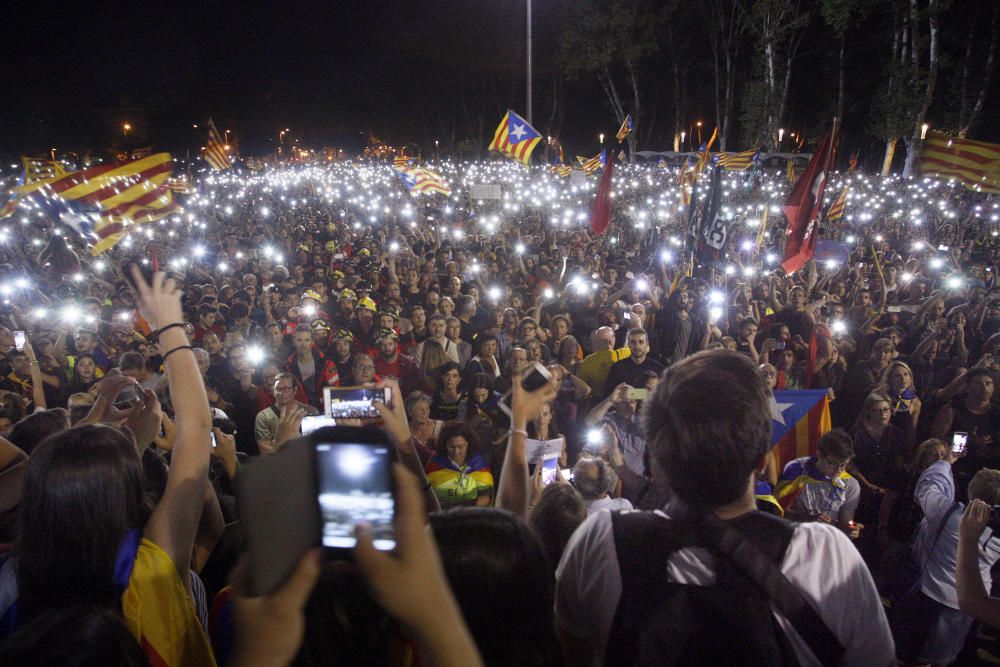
[[518, 129]]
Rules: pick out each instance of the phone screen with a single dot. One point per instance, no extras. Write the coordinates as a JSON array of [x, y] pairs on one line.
[[311, 423], [355, 486], [636, 394], [959, 442], [353, 402], [214, 443], [550, 470], [128, 397], [19, 340]]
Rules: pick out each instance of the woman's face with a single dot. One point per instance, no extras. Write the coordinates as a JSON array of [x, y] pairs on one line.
[[534, 350], [560, 329], [899, 379], [545, 416], [450, 380], [420, 412], [480, 395], [518, 359], [879, 413], [488, 348], [453, 330], [86, 368], [458, 449], [447, 306]]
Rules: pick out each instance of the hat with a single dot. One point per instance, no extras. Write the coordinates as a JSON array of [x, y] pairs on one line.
[[347, 295], [331, 246], [320, 325], [337, 274], [364, 252], [367, 303], [312, 294], [385, 332], [343, 334], [390, 311]]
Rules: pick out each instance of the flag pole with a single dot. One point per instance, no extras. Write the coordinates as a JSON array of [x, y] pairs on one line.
[[530, 120]]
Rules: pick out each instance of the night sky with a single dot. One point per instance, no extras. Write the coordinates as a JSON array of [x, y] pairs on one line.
[[332, 71]]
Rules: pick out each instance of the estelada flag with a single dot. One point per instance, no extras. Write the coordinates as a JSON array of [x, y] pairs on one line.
[[798, 419], [600, 214], [803, 205]]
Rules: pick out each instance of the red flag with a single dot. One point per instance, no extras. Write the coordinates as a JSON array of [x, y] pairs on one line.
[[600, 214], [803, 204]]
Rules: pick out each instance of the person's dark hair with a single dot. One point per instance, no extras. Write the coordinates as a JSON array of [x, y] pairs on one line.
[[836, 443], [454, 430], [78, 412], [708, 425], [638, 331], [977, 372], [27, 433], [77, 635], [444, 368], [239, 310], [558, 512], [131, 361], [482, 339], [206, 309], [83, 492], [502, 581], [76, 366]]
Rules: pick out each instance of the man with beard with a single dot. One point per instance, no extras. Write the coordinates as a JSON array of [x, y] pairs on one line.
[[321, 336], [310, 367], [346, 301], [343, 353], [409, 340], [364, 327], [678, 331], [391, 363]]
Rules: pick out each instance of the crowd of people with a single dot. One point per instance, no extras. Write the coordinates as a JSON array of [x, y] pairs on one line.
[[136, 384]]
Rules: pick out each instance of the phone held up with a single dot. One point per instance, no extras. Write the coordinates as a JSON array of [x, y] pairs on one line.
[[20, 338], [959, 443], [316, 491], [534, 380]]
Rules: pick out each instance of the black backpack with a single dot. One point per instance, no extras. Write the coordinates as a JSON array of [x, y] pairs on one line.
[[729, 623]]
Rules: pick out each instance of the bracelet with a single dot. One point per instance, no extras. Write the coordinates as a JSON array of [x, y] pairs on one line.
[[519, 431], [182, 347], [156, 334]]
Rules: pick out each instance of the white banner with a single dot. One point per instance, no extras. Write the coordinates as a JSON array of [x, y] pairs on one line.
[[485, 191]]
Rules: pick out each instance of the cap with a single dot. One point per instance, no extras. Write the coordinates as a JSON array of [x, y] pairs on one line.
[[364, 252], [385, 332], [347, 295], [367, 303], [343, 334], [320, 325], [312, 294], [331, 246], [390, 311]]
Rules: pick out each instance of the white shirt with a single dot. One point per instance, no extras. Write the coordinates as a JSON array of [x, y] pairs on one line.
[[608, 503], [820, 561], [935, 493]]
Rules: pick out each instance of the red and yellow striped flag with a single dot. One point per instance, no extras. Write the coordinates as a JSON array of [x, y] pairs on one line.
[[836, 210], [515, 138], [974, 164], [216, 150]]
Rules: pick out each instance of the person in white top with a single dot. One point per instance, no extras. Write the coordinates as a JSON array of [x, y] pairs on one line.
[[595, 480], [708, 430]]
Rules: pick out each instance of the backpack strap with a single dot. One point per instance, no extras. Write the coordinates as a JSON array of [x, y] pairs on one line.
[[748, 555]]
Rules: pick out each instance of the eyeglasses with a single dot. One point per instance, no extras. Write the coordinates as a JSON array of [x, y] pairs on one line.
[[835, 464]]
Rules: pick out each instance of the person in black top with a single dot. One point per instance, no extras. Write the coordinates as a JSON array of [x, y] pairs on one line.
[[631, 370]]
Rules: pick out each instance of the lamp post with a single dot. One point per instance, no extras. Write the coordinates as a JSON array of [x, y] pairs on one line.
[[125, 128], [529, 63], [698, 124], [601, 137]]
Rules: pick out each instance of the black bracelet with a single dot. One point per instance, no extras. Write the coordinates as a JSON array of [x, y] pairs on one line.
[[156, 334], [182, 347]]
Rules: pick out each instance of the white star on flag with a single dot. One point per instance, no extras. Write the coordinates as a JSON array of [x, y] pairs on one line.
[[518, 132], [777, 409]]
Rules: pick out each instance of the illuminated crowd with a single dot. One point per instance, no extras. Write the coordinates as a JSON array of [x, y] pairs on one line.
[[293, 279]]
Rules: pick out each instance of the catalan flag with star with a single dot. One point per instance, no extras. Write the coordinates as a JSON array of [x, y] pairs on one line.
[[625, 129], [419, 179], [705, 153], [836, 210], [515, 138], [740, 161], [798, 419], [974, 164], [102, 201]]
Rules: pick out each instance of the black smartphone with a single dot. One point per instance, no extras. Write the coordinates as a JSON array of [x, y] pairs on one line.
[[144, 269], [128, 397], [959, 442], [780, 345], [538, 377], [354, 402], [354, 486]]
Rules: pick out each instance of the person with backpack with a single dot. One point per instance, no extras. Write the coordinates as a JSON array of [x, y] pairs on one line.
[[709, 580]]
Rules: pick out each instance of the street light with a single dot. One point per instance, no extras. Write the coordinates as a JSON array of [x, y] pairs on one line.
[[602, 138], [125, 128], [923, 131], [698, 124], [781, 134], [683, 134]]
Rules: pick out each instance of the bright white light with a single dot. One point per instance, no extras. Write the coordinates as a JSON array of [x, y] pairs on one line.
[[851, 239], [519, 248], [954, 282], [77, 277], [223, 267], [730, 269], [125, 316], [198, 250], [838, 327], [937, 263], [39, 313], [309, 310], [70, 313], [495, 293], [394, 247], [594, 436], [642, 285], [716, 297], [906, 276], [831, 264], [714, 313], [354, 461], [666, 256], [255, 354], [99, 265]]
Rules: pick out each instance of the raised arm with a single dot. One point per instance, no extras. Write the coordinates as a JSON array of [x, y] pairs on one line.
[[175, 520], [525, 406]]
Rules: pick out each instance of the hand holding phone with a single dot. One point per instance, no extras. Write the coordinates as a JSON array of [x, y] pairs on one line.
[[959, 443], [20, 338], [550, 469]]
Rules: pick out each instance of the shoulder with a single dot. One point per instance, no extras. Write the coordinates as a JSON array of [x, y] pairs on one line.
[[794, 468]]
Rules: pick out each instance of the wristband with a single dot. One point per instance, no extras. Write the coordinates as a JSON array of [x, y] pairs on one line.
[[156, 334], [520, 431], [182, 347]]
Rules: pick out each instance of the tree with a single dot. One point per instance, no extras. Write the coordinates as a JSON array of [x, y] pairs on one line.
[[610, 41], [922, 80], [725, 29], [970, 107], [838, 15]]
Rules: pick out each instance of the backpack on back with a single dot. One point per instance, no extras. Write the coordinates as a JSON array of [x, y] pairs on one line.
[[728, 623]]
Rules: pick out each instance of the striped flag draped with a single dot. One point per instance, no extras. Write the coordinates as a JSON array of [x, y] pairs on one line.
[[974, 164], [737, 161], [798, 420], [625, 129], [590, 165], [704, 152], [515, 138], [419, 179], [38, 169], [102, 201], [401, 161], [216, 153]]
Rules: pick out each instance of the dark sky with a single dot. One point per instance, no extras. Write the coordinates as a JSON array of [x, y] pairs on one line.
[[331, 71]]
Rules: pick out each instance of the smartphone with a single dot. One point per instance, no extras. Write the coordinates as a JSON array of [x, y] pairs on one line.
[[943, 248], [144, 269], [214, 442], [635, 394], [780, 345], [19, 340], [353, 402], [354, 485], [959, 442], [312, 423], [894, 309], [550, 469], [537, 378], [567, 473], [128, 397]]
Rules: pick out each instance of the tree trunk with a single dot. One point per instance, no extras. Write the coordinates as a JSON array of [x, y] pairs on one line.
[[890, 151], [633, 139], [678, 111], [991, 61], [840, 78], [933, 63]]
